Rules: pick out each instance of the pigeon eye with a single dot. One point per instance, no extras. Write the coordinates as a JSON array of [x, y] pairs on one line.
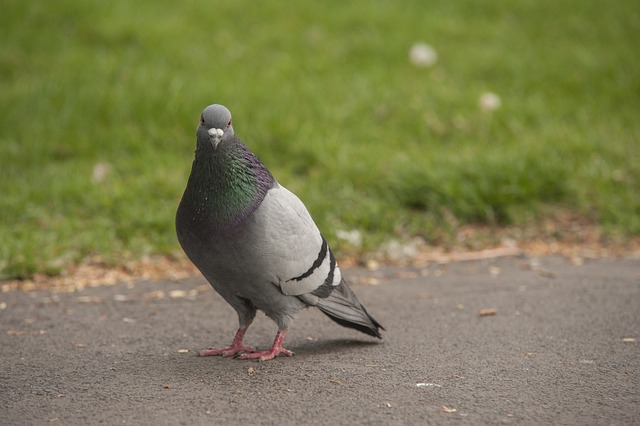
[[202, 119], [229, 123]]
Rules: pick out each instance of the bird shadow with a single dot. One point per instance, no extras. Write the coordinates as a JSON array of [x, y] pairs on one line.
[[318, 347]]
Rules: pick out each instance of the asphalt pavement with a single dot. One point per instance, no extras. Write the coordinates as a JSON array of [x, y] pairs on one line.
[[503, 341]]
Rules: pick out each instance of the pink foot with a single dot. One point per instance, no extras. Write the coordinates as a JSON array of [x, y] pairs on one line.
[[275, 350], [228, 351], [235, 347]]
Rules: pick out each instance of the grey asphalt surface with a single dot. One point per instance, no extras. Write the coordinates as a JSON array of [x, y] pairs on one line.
[[562, 348]]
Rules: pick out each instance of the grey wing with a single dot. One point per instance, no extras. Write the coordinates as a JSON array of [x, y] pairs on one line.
[[300, 257]]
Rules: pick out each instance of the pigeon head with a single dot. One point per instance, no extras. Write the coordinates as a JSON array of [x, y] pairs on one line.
[[215, 124]]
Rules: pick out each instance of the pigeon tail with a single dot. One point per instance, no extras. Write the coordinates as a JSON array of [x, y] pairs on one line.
[[343, 307]]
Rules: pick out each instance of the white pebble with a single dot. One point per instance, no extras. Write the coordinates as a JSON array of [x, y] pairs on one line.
[[422, 55], [353, 237], [489, 101], [100, 172]]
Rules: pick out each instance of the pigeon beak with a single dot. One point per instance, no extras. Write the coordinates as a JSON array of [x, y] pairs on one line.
[[216, 136]]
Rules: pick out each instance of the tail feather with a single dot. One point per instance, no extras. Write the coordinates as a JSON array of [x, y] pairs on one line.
[[343, 307]]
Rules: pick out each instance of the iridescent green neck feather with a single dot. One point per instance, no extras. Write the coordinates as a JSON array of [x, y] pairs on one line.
[[227, 184]]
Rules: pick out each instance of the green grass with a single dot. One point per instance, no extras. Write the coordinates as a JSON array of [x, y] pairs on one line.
[[325, 95]]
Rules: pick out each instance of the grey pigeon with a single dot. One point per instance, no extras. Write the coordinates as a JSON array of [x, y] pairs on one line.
[[255, 242]]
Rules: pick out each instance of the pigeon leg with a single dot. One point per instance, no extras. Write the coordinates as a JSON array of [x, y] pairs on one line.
[[275, 350], [235, 347]]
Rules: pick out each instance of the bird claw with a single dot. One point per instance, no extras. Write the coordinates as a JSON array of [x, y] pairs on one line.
[[265, 355], [226, 352]]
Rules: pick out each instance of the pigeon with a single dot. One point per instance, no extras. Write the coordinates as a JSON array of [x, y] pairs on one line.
[[255, 242]]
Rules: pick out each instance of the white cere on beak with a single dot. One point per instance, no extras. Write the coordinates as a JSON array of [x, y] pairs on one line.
[[216, 132]]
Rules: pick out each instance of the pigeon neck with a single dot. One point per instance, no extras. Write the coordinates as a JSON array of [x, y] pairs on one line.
[[228, 184]]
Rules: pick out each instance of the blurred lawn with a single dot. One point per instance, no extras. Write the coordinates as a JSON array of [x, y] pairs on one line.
[[325, 94]]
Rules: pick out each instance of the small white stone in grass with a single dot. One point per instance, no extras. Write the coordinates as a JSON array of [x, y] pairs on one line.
[[353, 237], [489, 101], [422, 55], [100, 172], [216, 132]]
